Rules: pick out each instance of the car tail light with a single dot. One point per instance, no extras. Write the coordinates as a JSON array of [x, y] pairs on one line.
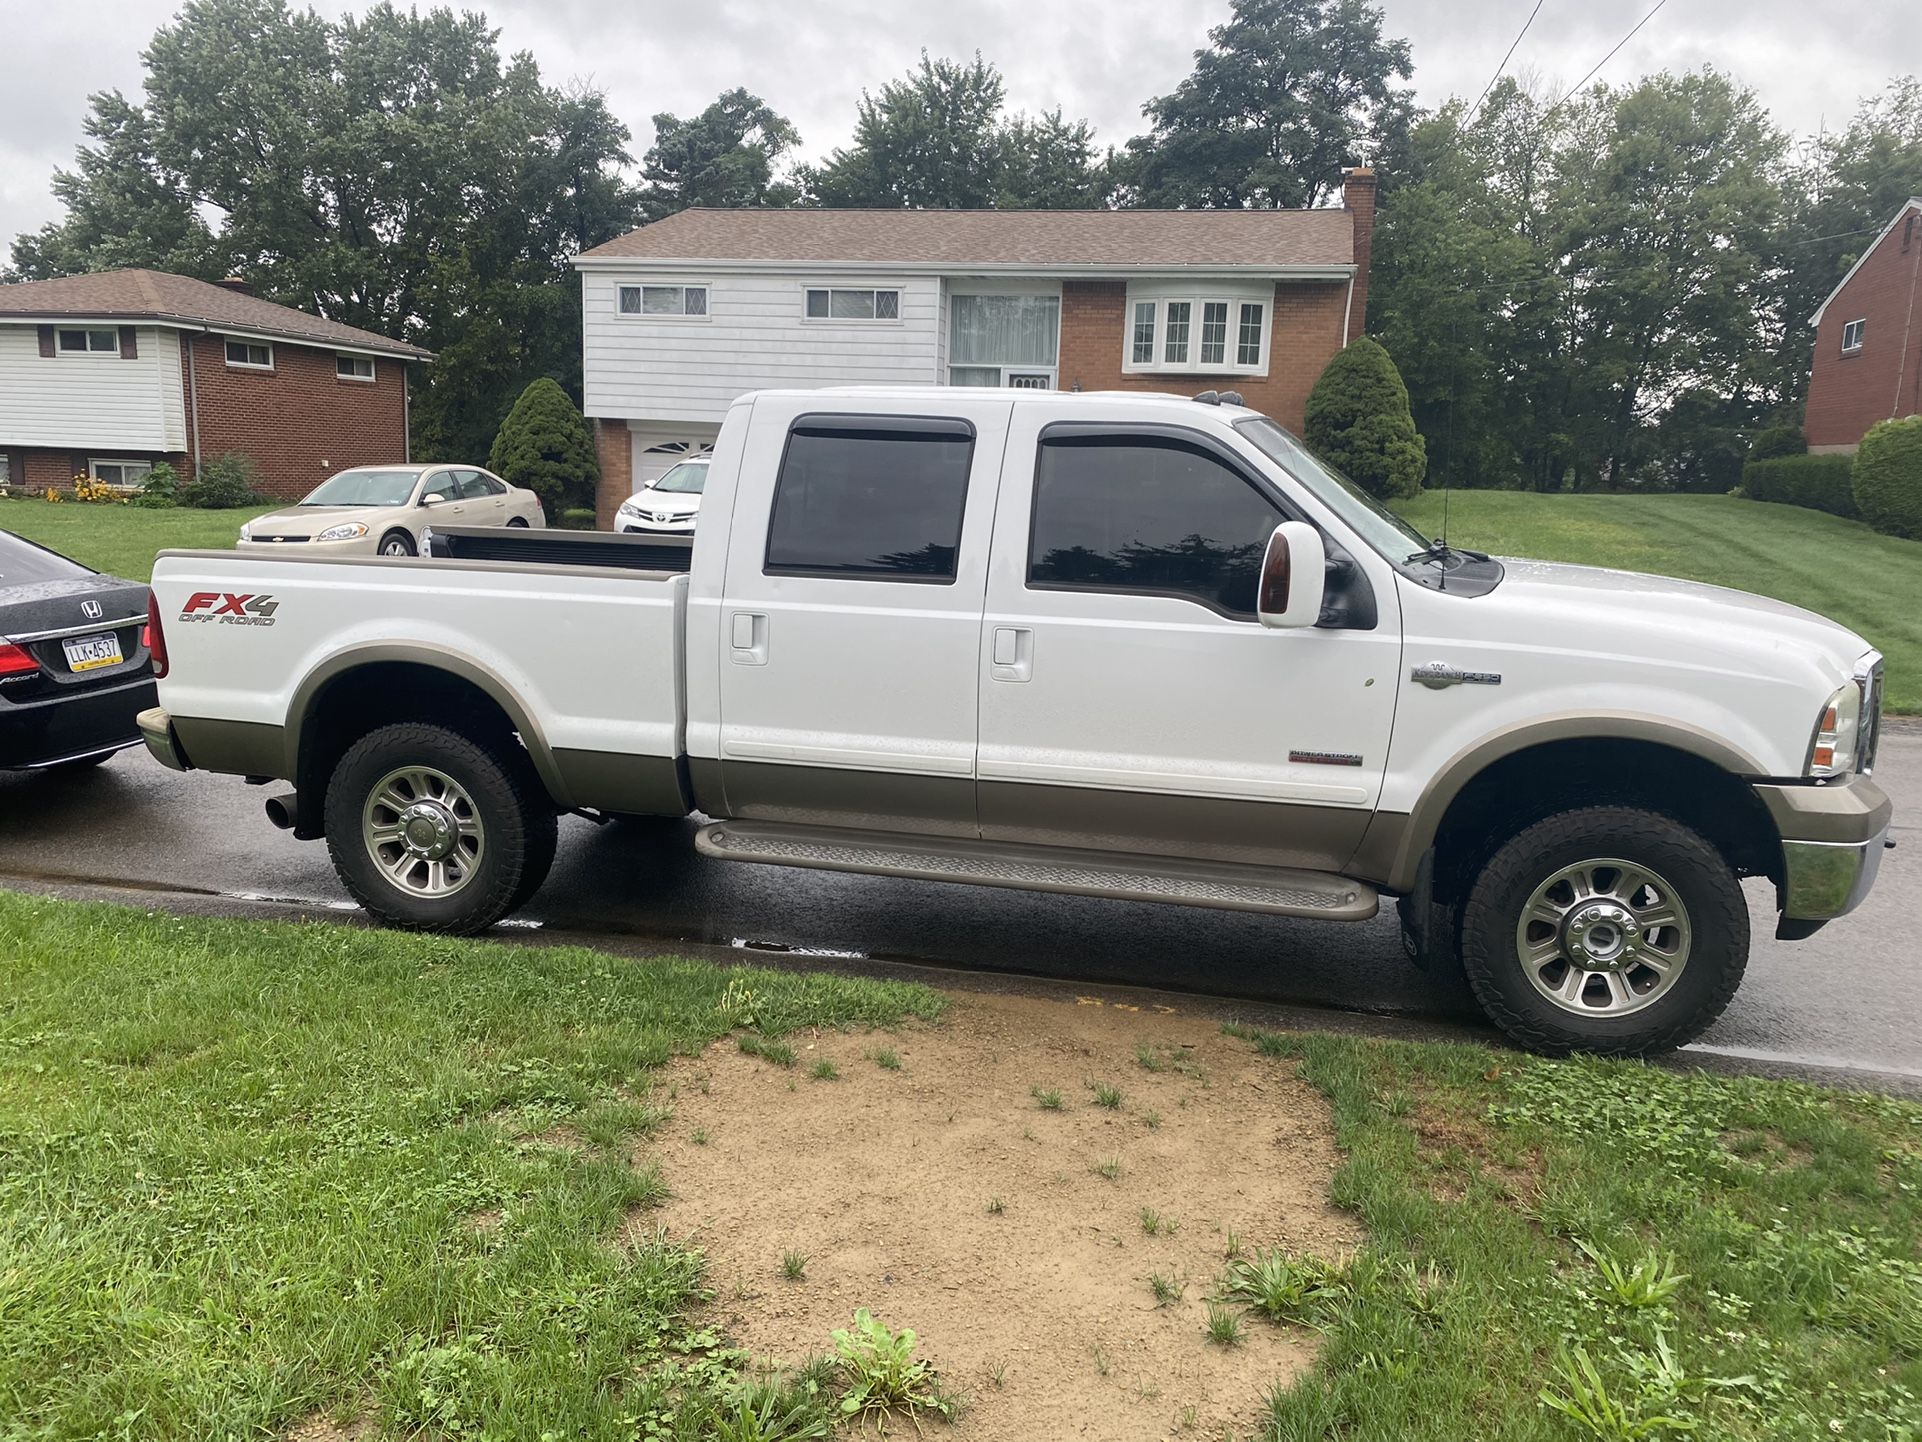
[[14, 661], [154, 637]]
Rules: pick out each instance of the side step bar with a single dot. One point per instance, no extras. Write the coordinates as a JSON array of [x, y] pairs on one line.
[[1222, 885]]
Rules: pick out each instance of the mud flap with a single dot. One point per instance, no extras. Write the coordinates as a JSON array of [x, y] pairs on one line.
[[1428, 928]]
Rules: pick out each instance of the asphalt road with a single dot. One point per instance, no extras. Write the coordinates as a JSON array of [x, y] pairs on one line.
[[1848, 999]]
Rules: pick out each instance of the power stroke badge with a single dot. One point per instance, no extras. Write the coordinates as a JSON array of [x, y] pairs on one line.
[[1437, 674], [229, 609]]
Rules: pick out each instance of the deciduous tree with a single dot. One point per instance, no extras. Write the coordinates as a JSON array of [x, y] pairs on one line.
[[726, 156]]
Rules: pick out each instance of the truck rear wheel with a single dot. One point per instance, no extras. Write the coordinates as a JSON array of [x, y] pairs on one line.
[[1609, 930], [432, 831]]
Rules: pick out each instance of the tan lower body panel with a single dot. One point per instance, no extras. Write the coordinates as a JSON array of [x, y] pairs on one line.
[[866, 800], [238, 748], [617, 781]]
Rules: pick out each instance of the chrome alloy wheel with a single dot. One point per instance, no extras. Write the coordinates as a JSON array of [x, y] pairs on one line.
[[1603, 938], [423, 831]]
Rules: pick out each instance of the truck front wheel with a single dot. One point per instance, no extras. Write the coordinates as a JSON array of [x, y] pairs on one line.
[[432, 831], [1609, 930]]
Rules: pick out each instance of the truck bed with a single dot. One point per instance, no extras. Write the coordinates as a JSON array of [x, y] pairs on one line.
[[671, 554]]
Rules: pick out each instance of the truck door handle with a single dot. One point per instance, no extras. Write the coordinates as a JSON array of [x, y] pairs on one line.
[[749, 638], [1012, 656]]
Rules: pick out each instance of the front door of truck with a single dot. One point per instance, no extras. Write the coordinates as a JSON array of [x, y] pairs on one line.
[[1129, 698], [851, 620]]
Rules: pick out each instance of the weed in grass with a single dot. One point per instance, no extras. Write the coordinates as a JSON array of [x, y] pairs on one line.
[[996, 1206], [825, 1070], [1233, 1248], [1147, 1392], [1649, 1282], [1047, 1098], [1188, 1417], [1105, 1095], [887, 1058], [1225, 1326], [1283, 1288], [794, 1265], [883, 1376], [1027, 1134], [1108, 1167], [1145, 1054], [1167, 1289], [1103, 1364], [1151, 1120], [998, 1374], [771, 1410], [698, 1136]]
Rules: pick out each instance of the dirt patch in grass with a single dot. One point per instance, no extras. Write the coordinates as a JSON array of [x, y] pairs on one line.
[[322, 1428], [1458, 1146], [1010, 1236]]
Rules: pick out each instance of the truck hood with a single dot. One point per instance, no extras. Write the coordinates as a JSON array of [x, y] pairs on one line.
[[1737, 625]]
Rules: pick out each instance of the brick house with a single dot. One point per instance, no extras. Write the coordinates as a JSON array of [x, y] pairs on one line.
[[683, 316], [103, 375], [1868, 340]]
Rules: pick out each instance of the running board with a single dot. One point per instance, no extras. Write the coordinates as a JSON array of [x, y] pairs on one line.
[[1222, 885]]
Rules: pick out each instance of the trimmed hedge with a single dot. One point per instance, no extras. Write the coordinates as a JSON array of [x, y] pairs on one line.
[[1888, 477], [1777, 441], [1822, 483], [1359, 422]]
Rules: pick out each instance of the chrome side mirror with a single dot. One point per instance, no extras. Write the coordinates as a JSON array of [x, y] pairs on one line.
[[1294, 576]]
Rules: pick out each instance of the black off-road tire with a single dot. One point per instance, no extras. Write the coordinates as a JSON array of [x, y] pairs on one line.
[[517, 817], [1707, 886]]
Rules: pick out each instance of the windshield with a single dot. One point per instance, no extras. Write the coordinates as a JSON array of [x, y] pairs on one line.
[[1377, 525], [364, 488], [686, 479]]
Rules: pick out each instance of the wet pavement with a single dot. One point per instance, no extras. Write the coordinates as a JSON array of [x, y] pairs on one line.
[[1846, 1002]]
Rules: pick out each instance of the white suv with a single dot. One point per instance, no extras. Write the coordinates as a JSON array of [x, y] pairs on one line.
[[671, 504]]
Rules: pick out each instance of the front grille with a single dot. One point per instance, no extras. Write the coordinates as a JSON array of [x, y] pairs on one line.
[[283, 540]]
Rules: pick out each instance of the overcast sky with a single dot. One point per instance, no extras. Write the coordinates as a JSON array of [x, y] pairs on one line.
[[1810, 60]]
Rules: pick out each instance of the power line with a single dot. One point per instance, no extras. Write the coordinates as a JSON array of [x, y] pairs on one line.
[[1608, 57], [1473, 109]]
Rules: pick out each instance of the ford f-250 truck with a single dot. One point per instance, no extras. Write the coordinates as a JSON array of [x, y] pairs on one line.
[[1128, 646]]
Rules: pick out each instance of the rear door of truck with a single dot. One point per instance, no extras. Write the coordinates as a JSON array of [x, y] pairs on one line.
[[851, 628]]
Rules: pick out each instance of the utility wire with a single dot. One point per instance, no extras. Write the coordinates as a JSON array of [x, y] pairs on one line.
[[1476, 107], [1608, 57]]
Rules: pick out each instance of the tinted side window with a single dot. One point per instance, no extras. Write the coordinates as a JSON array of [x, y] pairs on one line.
[[24, 564], [871, 497], [1151, 516]]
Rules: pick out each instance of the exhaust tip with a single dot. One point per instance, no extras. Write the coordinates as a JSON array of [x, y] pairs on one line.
[[284, 810]]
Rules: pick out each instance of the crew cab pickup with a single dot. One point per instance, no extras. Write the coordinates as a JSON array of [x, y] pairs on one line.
[[1131, 646]]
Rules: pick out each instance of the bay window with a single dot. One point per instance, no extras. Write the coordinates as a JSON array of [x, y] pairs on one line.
[[1207, 333]]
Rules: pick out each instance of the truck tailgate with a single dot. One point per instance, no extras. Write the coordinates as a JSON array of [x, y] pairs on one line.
[[593, 654]]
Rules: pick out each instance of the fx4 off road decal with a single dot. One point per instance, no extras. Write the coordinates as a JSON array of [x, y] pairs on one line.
[[230, 610]]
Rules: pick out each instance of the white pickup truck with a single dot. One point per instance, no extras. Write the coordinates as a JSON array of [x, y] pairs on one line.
[[1128, 646]]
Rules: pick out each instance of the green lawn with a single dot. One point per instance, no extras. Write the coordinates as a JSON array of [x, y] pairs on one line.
[[1841, 569], [121, 540]]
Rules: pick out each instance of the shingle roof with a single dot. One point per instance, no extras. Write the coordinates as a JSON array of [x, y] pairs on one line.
[[156, 295], [1123, 239]]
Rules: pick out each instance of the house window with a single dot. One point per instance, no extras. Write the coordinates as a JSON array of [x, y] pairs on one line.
[[854, 305], [1852, 335], [125, 474], [687, 301], [1201, 334], [96, 342], [354, 367], [250, 355], [1004, 340], [6, 470], [871, 498]]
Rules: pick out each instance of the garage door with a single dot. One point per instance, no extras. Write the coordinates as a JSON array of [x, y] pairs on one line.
[[657, 452]]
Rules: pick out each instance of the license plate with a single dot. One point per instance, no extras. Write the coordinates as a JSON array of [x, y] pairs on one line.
[[89, 653]]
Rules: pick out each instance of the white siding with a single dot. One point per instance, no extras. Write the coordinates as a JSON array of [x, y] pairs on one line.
[[94, 401], [754, 336]]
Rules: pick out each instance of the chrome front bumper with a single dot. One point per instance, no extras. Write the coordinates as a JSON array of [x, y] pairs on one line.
[[1833, 837]]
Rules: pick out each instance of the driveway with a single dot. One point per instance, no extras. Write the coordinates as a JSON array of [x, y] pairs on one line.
[[1849, 998]]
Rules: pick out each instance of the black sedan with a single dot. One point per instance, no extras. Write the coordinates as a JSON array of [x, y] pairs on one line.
[[74, 669]]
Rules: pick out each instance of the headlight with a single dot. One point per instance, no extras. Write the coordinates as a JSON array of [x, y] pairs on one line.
[[1838, 733], [628, 508], [350, 531]]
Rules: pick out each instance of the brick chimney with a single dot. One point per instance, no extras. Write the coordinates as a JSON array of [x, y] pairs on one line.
[[236, 284], [1358, 199]]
